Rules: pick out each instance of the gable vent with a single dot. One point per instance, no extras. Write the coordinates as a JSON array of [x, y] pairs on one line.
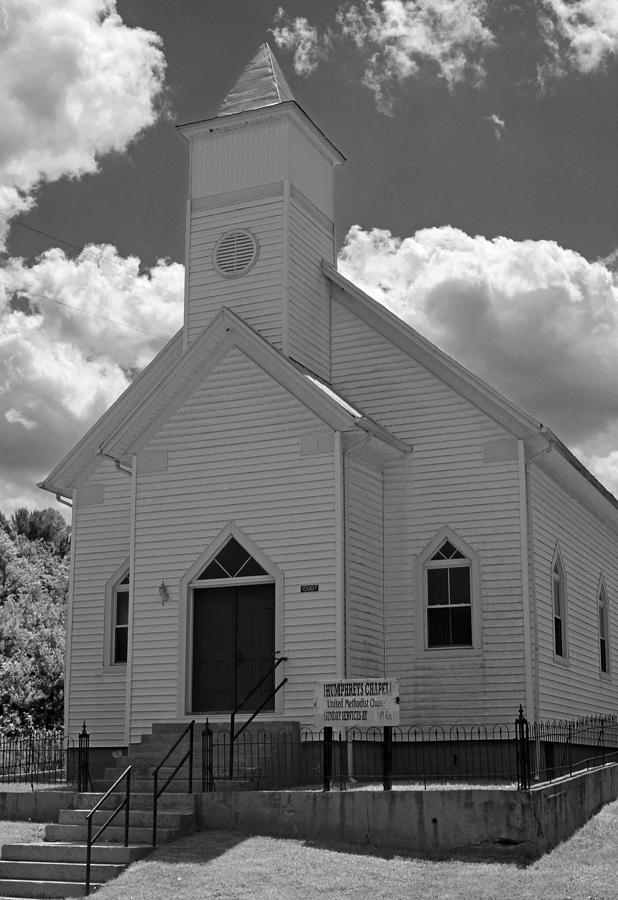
[[235, 253]]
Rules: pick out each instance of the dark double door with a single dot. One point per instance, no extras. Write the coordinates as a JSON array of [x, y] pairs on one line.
[[233, 646]]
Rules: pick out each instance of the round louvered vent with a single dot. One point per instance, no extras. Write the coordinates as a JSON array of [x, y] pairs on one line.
[[235, 253]]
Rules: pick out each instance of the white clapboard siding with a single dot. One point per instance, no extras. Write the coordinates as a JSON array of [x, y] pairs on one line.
[[445, 481], [588, 551], [97, 690], [364, 546], [234, 454], [308, 305], [230, 160], [255, 296]]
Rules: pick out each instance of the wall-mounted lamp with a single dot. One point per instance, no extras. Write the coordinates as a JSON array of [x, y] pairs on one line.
[[164, 594]]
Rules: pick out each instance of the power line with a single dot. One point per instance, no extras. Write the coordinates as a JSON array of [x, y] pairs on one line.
[[78, 309], [82, 249]]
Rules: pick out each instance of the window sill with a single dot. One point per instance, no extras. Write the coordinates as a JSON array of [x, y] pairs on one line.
[[561, 660], [455, 652], [114, 669]]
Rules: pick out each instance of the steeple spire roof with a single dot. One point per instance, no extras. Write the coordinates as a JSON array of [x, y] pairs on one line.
[[262, 83]]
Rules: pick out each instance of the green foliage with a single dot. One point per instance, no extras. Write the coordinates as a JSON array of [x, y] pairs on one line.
[[33, 598]]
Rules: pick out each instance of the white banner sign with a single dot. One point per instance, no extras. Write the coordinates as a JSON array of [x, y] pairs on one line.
[[357, 701]]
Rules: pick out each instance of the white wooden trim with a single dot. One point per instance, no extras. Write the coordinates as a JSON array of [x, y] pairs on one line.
[[69, 636], [188, 583], [531, 711], [476, 599], [340, 561], [562, 660], [108, 627], [242, 197], [285, 272], [185, 321], [604, 676], [132, 542]]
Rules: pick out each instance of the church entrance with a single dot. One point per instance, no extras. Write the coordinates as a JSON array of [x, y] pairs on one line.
[[233, 646]]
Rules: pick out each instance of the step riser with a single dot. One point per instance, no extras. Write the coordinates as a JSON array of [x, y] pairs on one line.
[[73, 853], [139, 818], [143, 801], [79, 834], [57, 871], [45, 889]]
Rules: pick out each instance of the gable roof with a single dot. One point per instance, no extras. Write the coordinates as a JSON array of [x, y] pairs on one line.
[[444, 367], [498, 407], [261, 83], [226, 331], [69, 470], [173, 375]]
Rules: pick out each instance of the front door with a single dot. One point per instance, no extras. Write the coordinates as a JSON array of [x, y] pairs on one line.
[[233, 646]]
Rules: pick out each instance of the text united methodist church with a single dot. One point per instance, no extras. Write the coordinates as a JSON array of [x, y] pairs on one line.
[[299, 475]]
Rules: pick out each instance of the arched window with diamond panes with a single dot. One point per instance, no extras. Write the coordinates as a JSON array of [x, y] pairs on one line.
[[449, 597], [603, 630], [558, 578], [232, 561]]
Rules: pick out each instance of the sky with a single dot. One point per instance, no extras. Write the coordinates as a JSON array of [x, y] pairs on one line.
[[478, 201]]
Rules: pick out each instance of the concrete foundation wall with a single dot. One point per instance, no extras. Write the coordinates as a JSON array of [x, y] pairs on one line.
[[35, 806], [516, 824]]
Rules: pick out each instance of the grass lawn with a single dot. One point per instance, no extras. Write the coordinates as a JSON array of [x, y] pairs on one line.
[[20, 832], [223, 865]]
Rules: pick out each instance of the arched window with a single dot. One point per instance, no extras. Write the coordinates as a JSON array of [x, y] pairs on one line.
[[120, 621], [448, 593], [603, 630], [559, 606]]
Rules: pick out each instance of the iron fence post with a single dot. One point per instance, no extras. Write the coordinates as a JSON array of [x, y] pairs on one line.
[[127, 808], [522, 734], [328, 757], [387, 776], [83, 760], [191, 729], [155, 798], [232, 726]]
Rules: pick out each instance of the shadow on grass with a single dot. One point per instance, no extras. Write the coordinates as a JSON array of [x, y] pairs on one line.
[[205, 846]]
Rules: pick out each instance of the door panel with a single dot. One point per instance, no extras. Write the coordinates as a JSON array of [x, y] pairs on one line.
[[233, 646], [255, 641]]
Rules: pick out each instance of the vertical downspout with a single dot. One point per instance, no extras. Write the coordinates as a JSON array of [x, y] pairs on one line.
[[128, 696], [529, 613], [69, 638], [340, 618]]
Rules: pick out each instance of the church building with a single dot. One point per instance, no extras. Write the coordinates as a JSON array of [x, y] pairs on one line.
[[300, 475]]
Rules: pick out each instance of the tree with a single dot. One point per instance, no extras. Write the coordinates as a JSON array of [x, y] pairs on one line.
[[33, 599]]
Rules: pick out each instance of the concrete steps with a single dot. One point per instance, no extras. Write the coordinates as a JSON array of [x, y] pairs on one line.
[[59, 870], [57, 866]]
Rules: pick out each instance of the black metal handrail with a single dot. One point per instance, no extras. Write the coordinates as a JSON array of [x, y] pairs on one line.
[[158, 791], [234, 735], [126, 805], [208, 777]]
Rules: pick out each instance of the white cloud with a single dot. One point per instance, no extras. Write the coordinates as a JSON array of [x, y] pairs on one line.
[[499, 125], [61, 367], [398, 36], [14, 417], [76, 83], [580, 35], [298, 36], [535, 320]]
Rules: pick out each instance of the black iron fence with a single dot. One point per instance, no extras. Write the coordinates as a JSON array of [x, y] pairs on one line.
[[565, 747], [37, 757], [518, 755]]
